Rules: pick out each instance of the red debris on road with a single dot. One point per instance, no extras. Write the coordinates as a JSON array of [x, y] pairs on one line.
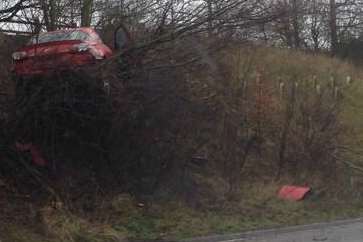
[[293, 193], [35, 152]]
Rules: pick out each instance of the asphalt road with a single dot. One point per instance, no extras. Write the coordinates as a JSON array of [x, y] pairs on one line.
[[341, 231]]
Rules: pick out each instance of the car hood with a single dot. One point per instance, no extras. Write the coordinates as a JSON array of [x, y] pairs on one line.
[[50, 48]]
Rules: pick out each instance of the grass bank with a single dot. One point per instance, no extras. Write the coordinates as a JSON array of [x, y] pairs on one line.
[[250, 91]]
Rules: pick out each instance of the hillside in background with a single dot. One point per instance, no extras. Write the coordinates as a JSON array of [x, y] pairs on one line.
[[185, 150]]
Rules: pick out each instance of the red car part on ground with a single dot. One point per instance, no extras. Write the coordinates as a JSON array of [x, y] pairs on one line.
[[59, 50], [293, 193]]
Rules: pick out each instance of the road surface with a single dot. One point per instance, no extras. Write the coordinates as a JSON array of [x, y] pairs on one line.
[[340, 231]]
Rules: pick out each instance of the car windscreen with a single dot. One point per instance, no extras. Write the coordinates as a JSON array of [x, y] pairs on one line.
[[59, 36]]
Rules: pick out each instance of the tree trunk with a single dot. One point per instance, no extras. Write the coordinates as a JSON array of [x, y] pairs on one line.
[[295, 23], [44, 7], [210, 17], [333, 27], [86, 13], [314, 25], [52, 15]]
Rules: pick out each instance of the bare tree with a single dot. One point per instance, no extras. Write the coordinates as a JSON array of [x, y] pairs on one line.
[[86, 13], [317, 26], [9, 9], [333, 26]]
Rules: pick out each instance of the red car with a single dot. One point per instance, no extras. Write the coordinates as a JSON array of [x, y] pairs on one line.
[[59, 50]]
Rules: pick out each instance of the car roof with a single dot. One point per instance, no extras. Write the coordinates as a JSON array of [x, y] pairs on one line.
[[87, 30]]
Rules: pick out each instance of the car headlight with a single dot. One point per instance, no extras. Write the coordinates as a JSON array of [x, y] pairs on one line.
[[81, 47], [19, 55]]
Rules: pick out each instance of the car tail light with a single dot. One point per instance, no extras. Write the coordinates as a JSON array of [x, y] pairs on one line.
[[80, 47], [19, 55]]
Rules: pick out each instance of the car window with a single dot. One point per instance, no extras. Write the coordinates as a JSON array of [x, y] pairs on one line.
[[94, 37], [59, 36]]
